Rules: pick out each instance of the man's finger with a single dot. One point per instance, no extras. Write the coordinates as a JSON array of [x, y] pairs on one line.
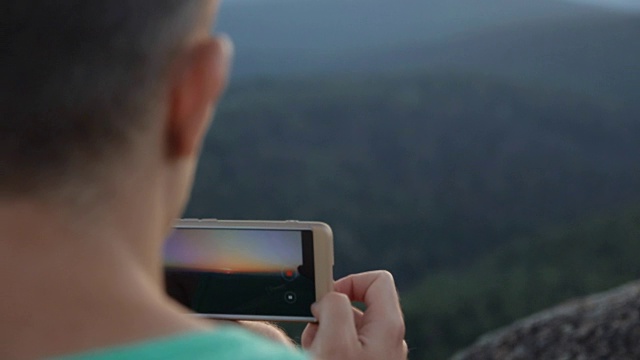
[[310, 331], [309, 335], [336, 324], [378, 292], [372, 288]]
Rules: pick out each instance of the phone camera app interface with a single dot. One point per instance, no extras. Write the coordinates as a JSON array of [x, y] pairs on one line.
[[241, 271]]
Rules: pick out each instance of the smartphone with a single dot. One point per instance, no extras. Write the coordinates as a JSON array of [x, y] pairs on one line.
[[249, 270]]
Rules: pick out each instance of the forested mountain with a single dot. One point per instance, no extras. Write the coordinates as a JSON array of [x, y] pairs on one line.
[[467, 187], [487, 152], [550, 42], [420, 172]]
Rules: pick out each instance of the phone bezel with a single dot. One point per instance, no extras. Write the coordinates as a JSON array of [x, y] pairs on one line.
[[322, 250]]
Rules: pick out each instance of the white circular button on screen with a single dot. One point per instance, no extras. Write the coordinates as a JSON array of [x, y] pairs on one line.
[[290, 297]]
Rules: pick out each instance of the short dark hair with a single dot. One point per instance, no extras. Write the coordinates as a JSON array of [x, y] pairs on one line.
[[78, 77]]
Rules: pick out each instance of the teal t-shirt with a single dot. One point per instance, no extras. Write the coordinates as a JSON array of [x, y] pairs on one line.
[[224, 343]]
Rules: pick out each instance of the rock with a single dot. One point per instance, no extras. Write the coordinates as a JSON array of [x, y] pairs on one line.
[[601, 326]]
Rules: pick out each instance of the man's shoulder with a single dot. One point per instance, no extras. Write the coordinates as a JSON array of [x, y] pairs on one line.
[[222, 343]]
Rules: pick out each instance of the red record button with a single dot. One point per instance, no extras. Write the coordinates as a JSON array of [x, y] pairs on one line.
[[289, 274]]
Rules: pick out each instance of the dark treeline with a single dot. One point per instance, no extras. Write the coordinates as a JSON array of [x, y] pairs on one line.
[[450, 309], [433, 177]]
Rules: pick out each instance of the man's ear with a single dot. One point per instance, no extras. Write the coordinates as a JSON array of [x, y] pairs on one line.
[[196, 87]]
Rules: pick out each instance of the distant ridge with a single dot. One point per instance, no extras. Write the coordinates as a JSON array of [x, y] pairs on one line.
[[596, 54], [284, 36]]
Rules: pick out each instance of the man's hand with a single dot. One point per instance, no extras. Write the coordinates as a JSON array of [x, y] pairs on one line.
[[345, 333]]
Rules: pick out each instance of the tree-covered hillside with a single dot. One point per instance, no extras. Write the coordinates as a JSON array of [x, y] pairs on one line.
[[488, 154], [466, 187], [449, 310], [420, 172]]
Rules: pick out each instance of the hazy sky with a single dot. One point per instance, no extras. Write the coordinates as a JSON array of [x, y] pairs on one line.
[[629, 4], [626, 4]]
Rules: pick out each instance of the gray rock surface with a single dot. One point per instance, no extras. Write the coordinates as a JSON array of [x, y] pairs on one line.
[[601, 326]]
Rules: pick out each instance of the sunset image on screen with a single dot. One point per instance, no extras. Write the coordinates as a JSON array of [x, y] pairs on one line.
[[234, 251]]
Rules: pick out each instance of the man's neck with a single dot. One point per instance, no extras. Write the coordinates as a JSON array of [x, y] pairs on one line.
[[69, 284]]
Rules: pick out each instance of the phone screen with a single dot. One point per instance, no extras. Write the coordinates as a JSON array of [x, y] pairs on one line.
[[245, 272]]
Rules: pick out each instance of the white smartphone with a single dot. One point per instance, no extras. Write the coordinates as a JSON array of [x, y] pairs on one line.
[[249, 270]]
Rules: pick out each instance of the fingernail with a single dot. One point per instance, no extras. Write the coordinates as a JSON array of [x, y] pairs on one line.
[[227, 43]]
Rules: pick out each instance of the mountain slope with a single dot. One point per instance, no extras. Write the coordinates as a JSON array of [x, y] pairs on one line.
[[419, 172], [451, 309]]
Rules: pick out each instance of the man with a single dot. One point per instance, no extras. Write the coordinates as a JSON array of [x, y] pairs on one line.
[[104, 108]]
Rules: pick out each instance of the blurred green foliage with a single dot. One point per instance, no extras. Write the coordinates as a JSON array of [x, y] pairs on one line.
[[448, 310]]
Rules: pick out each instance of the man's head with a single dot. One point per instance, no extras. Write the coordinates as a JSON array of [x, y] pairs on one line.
[[91, 84]]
